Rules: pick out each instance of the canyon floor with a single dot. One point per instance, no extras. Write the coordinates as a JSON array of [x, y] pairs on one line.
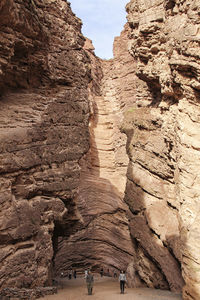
[[107, 289]]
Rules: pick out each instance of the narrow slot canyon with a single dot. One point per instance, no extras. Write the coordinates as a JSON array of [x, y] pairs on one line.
[[99, 159], [104, 239]]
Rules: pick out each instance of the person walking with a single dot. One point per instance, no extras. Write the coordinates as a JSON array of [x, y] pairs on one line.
[[101, 272], [90, 282], [70, 274], [122, 280], [86, 274]]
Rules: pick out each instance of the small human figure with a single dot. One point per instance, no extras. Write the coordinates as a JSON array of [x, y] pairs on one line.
[[115, 274], [90, 282], [108, 271], [101, 272], [86, 273], [122, 280], [61, 274], [74, 274], [70, 274]]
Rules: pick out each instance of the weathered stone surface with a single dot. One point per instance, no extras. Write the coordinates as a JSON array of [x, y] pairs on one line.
[[66, 167], [62, 200], [44, 116], [104, 239], [15, 293], [163, 137]]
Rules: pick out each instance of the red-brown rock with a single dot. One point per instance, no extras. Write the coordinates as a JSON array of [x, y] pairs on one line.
[[44, 133]]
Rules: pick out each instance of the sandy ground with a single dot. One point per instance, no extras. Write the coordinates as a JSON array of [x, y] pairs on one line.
[[107, 289]]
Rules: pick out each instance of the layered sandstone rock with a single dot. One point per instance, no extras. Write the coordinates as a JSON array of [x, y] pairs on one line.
[[104, 239], [98, 166], [44, 115], [163, 132], [63, 157]]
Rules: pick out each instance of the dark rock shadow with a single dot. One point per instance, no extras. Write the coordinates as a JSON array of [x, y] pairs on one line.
[[103, 239]]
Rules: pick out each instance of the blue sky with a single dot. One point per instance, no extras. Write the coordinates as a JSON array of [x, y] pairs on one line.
[[102, 21]]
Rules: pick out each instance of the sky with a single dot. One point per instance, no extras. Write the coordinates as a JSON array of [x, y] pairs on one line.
[[102, 21]]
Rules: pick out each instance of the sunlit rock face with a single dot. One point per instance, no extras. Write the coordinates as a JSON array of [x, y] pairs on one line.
[[104, 239], [44, 117], [63, 159], [163, 141], [99, 159]]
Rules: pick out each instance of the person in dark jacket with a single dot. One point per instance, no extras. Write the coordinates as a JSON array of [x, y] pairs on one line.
[[90, 282], [70, 274], [122, 280], [101, 272]]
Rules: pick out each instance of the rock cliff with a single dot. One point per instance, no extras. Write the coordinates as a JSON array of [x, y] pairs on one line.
[[163, 134], [104, 239], [44, 116], [63, 157], [99, 158]]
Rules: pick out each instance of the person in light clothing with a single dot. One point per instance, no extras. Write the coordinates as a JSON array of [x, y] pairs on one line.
[[122, 280], [86, 273], [90, 282]]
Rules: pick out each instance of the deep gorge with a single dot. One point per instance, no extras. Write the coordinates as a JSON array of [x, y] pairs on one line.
[[99, 159]]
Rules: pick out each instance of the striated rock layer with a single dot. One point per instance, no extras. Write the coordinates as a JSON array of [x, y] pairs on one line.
[[98, 166], [163, 141], [44, 116], [63, 159], [104, 239]]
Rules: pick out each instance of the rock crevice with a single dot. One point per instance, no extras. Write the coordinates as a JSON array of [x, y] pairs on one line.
[[99, 158]]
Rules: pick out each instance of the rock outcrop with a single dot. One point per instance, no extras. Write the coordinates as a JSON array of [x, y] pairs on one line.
[[63, 158], [44, 117], [163, 133], [99, 159], [104, 238]]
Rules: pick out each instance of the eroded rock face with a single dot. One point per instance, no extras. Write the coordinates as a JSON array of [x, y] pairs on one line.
[[163, 138], [78, 186], [104, 239], [44, 117], [63, 157]]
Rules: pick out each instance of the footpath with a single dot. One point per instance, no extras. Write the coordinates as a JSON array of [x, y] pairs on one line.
[[106, 288]]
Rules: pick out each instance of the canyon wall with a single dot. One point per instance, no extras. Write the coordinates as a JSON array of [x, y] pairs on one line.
[[99, 158], [63, 158], [163, 141], [104, 239], [44, 117]]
